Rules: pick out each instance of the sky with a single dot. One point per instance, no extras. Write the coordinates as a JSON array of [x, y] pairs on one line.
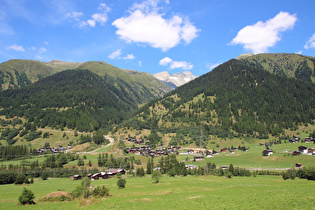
[[154, 35]]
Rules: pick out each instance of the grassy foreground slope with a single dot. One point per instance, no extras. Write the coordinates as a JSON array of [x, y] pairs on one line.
[[191, 192]]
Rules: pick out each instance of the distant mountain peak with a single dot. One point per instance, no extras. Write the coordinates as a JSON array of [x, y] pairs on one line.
[[177, 78]]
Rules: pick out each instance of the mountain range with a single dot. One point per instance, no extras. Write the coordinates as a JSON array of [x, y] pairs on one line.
[[253, 95], [237, 98]]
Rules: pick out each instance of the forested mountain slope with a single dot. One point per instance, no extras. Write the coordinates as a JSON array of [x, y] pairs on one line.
[[291, 65], [76, 99], [20, 73], [232, 100]]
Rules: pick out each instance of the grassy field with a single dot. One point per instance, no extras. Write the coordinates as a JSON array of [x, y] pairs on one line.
[[191, 192], [252, 159]]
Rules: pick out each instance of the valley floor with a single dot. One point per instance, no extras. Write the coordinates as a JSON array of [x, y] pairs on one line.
[[190, 192]]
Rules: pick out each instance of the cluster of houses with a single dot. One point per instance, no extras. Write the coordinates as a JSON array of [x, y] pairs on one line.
[[304, 150], [301, 150], [101, 175], [306, 140], [54, 150], [137, 141], [146, 150]]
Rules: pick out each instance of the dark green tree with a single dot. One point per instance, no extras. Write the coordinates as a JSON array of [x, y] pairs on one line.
[[27, 197]]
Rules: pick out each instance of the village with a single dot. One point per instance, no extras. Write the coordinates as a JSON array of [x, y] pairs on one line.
[[300, 150]]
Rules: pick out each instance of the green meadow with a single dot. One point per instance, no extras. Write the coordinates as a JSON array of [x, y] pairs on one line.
[[190, 192]]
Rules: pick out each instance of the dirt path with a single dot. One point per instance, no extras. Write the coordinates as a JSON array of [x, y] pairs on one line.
[[111, 142]]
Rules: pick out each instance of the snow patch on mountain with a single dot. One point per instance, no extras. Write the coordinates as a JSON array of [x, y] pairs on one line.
[[177, 78]]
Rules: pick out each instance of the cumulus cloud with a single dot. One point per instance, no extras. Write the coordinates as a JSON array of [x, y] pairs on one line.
[[262, 35], [115, 55], [16, 47], [100, 17], [310, 43], [129, 57], [165, 61], [145, 24], [181, 64], [175, 64]]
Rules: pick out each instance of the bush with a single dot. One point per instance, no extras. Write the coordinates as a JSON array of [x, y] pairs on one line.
[[83, 189], [27, 197], [156, 175], [121, 183], [285, 176], [171, 172], [7, 177], [44, 175], [20, 178], [310, 173], [100, 191], [229, 175], [289, 174], [26, 181]]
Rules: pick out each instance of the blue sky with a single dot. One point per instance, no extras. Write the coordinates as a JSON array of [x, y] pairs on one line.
[[154, 35]]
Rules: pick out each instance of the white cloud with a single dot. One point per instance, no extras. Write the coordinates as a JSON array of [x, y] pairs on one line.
[[42, 49], [175, 64], [262, 35], [140, 63], [129, 57], [91, 23], [16, 48], [310, 43], [146, 25], [100, 17], [165, 61], [115, 55], [299, 52], [212, 66], [181, 64], [74, 15]]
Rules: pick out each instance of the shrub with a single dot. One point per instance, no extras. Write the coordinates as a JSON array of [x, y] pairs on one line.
[[83, 189], [156, 175], [171, 172], [289, 174], [26, 181], [44, 175], [310, 173], [7, 177], [118, 175], [229, 175], [20, 178], [285, 176], [27, 197], [100, 191], [121, 183]]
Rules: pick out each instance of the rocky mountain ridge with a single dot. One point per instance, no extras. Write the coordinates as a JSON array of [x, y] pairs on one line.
[[178, 79]]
